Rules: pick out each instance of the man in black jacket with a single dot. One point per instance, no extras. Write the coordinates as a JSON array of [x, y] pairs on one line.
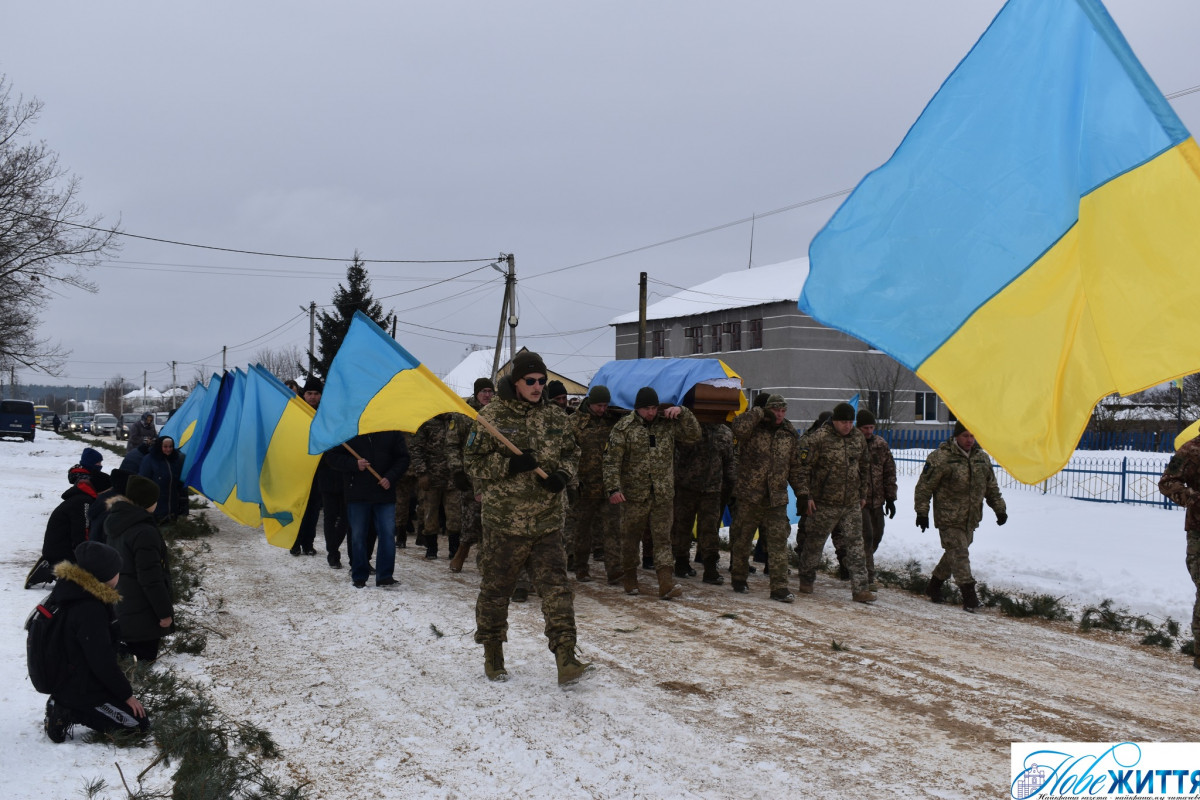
[[66, 528], [92, 691], [368, 476]]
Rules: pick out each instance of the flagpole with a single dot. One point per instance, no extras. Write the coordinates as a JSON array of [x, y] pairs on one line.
[[487, 426]]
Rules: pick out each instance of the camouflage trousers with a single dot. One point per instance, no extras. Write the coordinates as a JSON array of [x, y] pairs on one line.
[[771, 522], [955, 560], [470, 512], [502, 557], [872, 528], [405, 487], [441, 499], [653, 514], [595, 518], [817, 530], [703, 509], [1193, 567]]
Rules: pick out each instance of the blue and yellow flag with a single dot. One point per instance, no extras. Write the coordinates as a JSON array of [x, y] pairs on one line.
[[671, 379], [195, 429], [273, 466], [1032, 245], [374, 384], [182, 423]]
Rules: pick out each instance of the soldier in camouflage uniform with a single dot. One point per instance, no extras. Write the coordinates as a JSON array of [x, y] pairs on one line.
[[406, 518], [702, 469], [768, 461], [523, 513], [959, 477], [436, 492], [469, 506], [821, 421], [833, 489], [881, 490], [591, 515], [639, 471], [1181, 483]]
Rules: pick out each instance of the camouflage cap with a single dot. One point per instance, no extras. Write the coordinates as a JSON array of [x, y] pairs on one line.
[[775, 401]]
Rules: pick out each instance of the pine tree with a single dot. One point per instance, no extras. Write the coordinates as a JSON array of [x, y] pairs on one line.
[[333, 325]]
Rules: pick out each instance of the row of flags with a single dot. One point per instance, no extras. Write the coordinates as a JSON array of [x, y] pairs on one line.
[[251, 446]]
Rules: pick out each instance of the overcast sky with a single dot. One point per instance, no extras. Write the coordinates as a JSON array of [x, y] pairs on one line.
[[560, 132]]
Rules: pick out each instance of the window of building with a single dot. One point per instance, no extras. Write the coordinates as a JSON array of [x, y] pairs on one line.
[[880, 404], [695, 337], [927, 407], [716, 338], [659, 344], [756, 334], [735, 335]]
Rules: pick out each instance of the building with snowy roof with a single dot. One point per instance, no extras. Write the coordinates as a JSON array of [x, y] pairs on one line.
[[749, 319]]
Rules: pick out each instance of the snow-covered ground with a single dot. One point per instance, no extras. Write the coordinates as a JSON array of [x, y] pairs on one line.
[[715, 695]]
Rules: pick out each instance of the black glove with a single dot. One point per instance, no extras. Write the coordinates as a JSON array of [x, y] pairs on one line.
[[923, 521], [889, 508], [802, 505], [760, 401], [461, 481], [553, 484], [1001, 517], [521, 462]]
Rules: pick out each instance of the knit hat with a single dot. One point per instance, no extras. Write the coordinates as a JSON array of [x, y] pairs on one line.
[[555, 389], [120, 479], [599, 394], [314, 385], [821, 419], [959, 428], [481, 384], [99, 559], [141, 491], [865, 417], [527, 362], [646, 397], [775, 401], [843, 412], [91, 458]]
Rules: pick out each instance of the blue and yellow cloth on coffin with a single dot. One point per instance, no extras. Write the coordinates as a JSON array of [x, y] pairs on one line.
[[374, 384], [671, 378], [1032, 245]]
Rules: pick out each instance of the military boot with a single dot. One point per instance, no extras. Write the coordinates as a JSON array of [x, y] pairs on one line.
[[630, 580], [460, 557], [934, 589], [970, 598], [612, 576], [493, 661], [667, 587], [454, 539], [570, 668], [582, 575], [683, 569], [431, 546], [711, 575]]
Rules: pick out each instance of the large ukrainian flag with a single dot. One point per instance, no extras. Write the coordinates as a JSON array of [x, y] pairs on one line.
[[1033, 243], [374, 384]]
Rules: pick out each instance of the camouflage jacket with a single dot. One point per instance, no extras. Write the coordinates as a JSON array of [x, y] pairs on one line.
[[882, 485], [958, 482], [457, 431], [709, 464], [834, 469], [1181, 482], [640, 459], [591, 434], [429, 451], [768, 459], [517, 504]]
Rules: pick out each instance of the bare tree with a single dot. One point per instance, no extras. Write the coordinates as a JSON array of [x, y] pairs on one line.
[[879, 378], [283, 362], [47, 239]]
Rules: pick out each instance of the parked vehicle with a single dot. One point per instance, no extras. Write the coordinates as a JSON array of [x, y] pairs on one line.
[[104, 425], [17, 419], [125, 422], [76, 419]]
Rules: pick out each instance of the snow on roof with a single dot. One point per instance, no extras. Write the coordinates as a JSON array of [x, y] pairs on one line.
[[738, 289], [150, 392], [477, 364]]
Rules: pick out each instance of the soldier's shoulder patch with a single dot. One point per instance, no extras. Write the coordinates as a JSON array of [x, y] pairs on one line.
[[804, 452], [452, 423], [471, 439], [928, 466]]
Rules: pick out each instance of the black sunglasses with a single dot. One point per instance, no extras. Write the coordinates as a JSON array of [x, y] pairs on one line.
[[532, 381]]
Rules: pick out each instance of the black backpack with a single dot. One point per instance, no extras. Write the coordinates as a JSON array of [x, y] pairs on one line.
[[45, 644]]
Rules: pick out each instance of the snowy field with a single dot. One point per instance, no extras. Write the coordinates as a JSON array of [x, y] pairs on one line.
[[715, 695]]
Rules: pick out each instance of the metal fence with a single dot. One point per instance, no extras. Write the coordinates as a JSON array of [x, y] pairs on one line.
[[1101, 480], [1151, 442]]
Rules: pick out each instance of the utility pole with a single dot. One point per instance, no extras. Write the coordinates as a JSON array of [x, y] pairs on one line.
[[174, 386], [312, 336], [143, 390], [507, 313], [642, 316], [224, 348]]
